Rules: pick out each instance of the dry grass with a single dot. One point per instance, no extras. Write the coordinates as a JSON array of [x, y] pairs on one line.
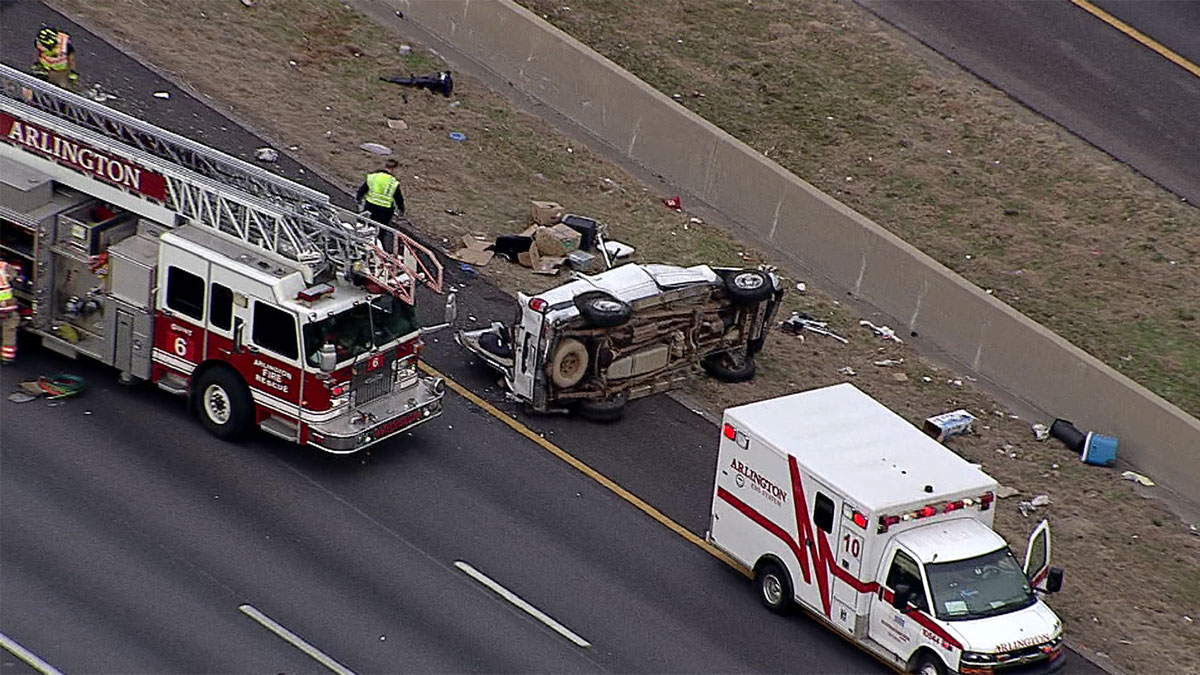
[[892, 123]]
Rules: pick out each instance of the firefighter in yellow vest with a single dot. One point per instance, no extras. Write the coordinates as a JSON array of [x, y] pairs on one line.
[[10, 316], [380, 193], [56, 57]]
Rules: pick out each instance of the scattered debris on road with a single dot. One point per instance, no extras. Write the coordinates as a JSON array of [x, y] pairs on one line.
[[376, 148], [882, 331], [438, 83], [800, 321], [1138, 478], [266, 154], [947, 425]]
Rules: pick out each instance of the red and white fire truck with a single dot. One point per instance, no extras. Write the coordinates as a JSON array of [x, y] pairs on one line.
[[253, 295], [839, 505]]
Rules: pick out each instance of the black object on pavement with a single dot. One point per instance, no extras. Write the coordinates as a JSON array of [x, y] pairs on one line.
[[1067, 432], [440, 82]]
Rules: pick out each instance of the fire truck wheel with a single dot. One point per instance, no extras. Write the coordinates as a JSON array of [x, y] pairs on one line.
[[747, 287], [601, 310], [570, 363], [734, 366], [928, 664], [774, 587], [223, 403], [604, 410]]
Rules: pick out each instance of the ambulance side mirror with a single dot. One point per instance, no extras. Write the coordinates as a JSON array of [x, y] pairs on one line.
[[1054, 579], [901, 597]]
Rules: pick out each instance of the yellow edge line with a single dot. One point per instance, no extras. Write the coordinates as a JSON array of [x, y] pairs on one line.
[[621, 492], [1138, 35], [587, 470]]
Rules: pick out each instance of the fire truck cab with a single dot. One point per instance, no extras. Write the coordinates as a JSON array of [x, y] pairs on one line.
[[837, 504]]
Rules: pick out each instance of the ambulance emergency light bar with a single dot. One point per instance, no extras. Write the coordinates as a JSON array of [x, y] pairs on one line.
[[984, 501]]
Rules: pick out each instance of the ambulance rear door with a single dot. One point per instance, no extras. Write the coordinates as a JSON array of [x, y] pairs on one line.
[[850, 596]]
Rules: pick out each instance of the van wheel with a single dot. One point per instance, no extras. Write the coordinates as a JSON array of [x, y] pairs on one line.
[[774, 587], [570, 363], [603, 410], [748, 287], [601, 310], [731, 366], [928, 664], [223, 403]]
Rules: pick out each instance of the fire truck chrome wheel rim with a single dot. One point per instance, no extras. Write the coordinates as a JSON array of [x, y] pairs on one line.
[[772, 589], [216, 404], [610, 306], [748, 281]]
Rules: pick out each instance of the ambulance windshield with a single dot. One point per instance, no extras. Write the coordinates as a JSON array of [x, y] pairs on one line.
[[360, 328], [986, 585]]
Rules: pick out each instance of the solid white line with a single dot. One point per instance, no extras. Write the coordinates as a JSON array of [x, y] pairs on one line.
[[512, 597], [27, 656], [295, 640]]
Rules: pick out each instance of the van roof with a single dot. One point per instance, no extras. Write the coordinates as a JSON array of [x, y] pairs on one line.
[[948, 540], [860, 448]]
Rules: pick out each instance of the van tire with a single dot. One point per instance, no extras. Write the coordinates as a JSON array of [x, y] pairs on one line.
[[222, 403], [570, 363], [731, 367], [926, 663], [601, 310], [774, 587], [748, 287], [603, 410]]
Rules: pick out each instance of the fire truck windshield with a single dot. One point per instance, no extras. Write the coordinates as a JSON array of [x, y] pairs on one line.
[[359, 329], [985, 585]]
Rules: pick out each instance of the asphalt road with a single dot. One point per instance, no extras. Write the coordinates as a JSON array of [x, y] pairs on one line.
[[1081, 72], [131, 538]]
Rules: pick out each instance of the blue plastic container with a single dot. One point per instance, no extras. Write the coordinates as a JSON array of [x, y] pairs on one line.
[[1099, 450]]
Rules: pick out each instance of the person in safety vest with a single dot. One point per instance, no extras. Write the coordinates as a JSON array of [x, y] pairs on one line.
[[10, 316], [380, 193], [56, 57]]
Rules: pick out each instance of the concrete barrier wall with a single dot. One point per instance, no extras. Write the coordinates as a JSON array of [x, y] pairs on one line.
[[824, 237]]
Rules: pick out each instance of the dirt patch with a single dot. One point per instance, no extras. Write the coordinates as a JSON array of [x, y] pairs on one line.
[[831, 96]]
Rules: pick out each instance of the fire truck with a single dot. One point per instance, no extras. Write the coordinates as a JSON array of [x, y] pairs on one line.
[[255, 297]]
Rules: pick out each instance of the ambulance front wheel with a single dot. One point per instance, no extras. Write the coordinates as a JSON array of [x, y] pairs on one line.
[[774, 587], [928, 664], [223, 403]]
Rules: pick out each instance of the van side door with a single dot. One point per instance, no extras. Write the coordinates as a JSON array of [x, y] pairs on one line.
[[1037, 556], [527, 350], [897, 630]]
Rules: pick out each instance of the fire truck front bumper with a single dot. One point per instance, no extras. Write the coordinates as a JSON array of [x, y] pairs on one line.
[[379, 420]]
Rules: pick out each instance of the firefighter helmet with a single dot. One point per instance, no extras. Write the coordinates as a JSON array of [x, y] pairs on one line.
[[48, 36]]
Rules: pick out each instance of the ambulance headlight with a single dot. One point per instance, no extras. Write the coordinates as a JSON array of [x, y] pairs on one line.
[[978, 658]]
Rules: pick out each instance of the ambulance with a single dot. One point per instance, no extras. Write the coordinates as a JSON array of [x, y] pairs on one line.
[[842, 507]]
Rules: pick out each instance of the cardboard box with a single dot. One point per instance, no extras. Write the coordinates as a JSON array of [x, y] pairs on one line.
[[545, 213], [946, 425], [557, 241], [538, 263], [475, 251]]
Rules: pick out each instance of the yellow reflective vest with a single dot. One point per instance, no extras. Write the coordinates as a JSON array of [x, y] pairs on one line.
[[381, 189], [55, 59]]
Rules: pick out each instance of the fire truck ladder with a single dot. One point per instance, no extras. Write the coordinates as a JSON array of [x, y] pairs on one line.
[[232, 197]]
